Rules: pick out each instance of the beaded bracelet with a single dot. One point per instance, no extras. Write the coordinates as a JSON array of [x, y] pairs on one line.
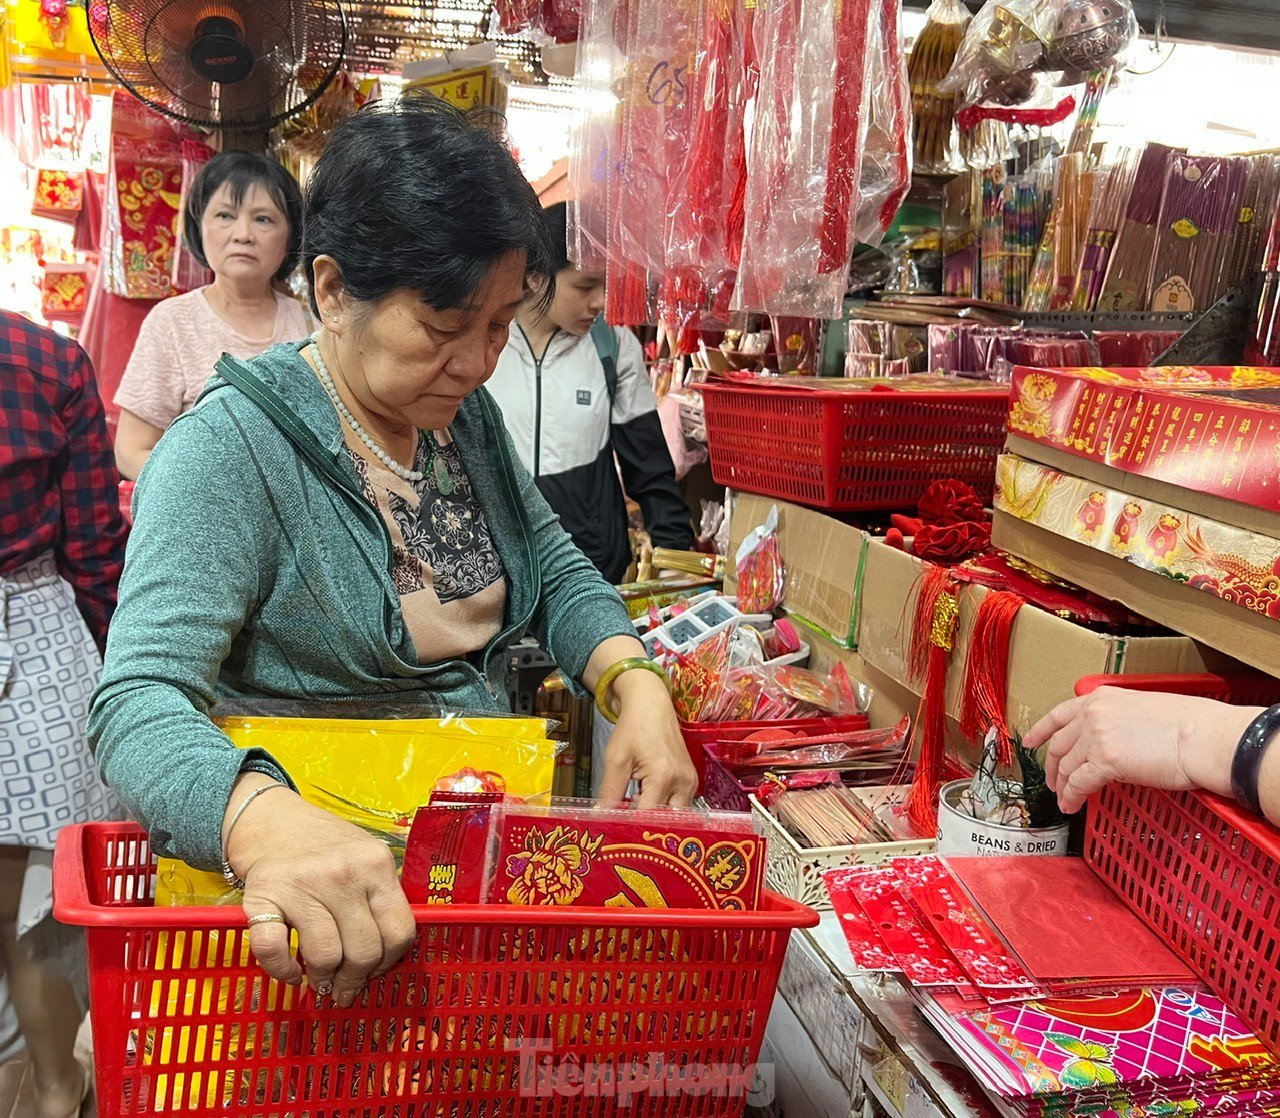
[[613, 671]]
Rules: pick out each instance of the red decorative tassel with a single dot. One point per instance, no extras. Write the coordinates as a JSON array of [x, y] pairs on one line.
[[986, 675], [933, 635]]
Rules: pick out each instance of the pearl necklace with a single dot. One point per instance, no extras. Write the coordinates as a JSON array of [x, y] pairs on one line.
[[363, 435]]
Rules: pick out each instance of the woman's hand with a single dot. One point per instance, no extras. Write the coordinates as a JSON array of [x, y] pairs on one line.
[[335, 885], [647, 746], [1156, 740]]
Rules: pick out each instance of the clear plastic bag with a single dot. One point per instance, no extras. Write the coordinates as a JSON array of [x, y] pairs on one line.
[[1003, 49], [932, 58], [699, 276], [602, 51], [886, 155], [806, 157], [654, 144]]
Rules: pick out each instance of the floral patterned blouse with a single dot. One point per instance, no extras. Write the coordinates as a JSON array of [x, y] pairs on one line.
[[450, 579]]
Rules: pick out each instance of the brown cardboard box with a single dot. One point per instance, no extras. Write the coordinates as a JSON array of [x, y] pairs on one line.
[[822, 559], [1047, 654]]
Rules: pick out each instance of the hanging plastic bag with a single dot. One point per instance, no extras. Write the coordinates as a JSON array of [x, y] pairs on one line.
[[602, 51], [806, 157], [759, 565], [654, 143], [1002, 52], [886, 155], [188, 272], [932, 57], [699, 276]]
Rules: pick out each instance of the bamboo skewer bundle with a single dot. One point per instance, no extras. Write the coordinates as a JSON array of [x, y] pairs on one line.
[[931, 60]]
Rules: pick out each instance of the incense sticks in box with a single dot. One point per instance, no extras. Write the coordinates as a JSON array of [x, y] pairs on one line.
[[1128, 277], [1201, 203]]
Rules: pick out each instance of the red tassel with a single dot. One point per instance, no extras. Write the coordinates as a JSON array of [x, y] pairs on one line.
[[986, 675], [932, 638]]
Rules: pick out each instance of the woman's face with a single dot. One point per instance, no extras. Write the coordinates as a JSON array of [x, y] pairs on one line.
[[579, 300], [246, 242], [409, 363]]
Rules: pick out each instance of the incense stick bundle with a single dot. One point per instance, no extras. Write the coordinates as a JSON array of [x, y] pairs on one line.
[[1202, 196], [931, 59], [1127, 284], [1259, 199], [1076, 192], [1104, 224], [830, 815]]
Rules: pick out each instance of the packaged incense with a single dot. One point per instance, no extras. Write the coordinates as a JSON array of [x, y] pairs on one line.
[[1104, 226], [1201, 205], [931, 59], [1128, 276]]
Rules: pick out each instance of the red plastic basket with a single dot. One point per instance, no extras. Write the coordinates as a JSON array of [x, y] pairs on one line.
[[698, 734], [1200, 872], [496, 1010], [849, 451]]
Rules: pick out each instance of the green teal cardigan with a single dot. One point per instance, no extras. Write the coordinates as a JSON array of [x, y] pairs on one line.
[[257, 570]]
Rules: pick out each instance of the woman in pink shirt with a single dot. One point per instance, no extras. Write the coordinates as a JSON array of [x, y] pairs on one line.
[[243, 220]]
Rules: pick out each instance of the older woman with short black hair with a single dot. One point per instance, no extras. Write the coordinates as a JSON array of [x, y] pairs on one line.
[[243, 221], [346, 516]]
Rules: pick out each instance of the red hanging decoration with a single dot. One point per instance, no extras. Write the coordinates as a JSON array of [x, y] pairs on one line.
[[986, 674], [736, 218], [933, 635]]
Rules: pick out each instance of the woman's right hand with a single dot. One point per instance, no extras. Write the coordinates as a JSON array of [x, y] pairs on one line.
[[334, 884]]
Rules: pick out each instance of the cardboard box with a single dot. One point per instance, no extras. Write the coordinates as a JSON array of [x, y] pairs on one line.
[[1190, 560], [1215, 431], [822, 559], [1047, 654]]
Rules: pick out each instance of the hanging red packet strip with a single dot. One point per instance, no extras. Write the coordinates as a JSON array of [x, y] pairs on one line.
[[653, 145], [144, 194], [584, 856], [971, 941], [886, 157]]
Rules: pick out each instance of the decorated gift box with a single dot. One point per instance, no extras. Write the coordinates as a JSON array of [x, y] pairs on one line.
[[1159, 488]]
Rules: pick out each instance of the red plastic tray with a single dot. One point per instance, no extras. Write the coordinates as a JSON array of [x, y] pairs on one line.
[[1200, 872], [851, 451], [492, 1012]]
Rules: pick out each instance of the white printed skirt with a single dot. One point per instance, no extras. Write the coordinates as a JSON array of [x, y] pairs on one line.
[[49, 667]]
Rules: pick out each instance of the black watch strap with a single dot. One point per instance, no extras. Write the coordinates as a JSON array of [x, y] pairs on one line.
[[1248, 759]]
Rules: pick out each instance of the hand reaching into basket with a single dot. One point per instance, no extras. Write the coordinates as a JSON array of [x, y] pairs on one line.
[[646, 746], [329, 881], [1138, 737]]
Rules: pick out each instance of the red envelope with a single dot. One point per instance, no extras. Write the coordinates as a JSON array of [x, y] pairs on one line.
[[625, 859]]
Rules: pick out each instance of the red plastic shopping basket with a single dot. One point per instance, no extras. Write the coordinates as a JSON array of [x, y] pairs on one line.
[[496, 1011], [849, 451], [1202, 873]]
